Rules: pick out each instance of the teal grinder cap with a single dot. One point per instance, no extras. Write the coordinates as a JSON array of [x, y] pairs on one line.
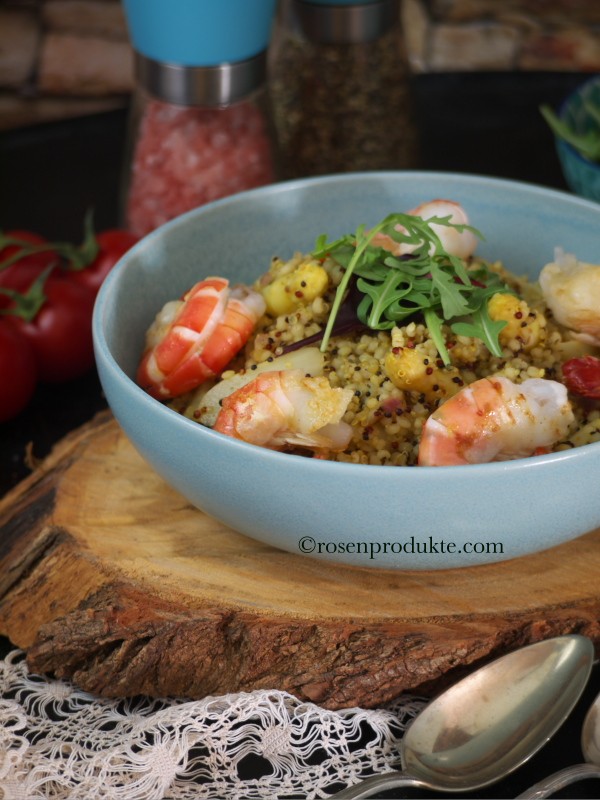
[[200, 51]]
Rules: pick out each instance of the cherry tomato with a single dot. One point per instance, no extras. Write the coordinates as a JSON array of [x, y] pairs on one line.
[[61, 331], [582, 376], [20, 275], [18, 370], [42, 259], [55, 314], [113, 244]]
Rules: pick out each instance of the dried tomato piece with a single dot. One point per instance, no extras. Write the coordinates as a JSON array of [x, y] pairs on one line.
[[582, 376]]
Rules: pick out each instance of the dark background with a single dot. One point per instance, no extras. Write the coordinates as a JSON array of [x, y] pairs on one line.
[[487, 124]]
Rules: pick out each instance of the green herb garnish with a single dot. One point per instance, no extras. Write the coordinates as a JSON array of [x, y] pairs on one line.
[[429, 281], [587, 144]]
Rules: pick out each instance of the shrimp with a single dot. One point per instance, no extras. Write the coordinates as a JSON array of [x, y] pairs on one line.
[[460, 244], [193, 339], [495, 419], [286, 408], [571, 289]]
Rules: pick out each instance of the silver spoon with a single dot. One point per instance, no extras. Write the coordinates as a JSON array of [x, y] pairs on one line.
[[491, 722], [590, 745]]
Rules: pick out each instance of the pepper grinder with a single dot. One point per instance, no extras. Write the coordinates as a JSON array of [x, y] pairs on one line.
[[199, 126], [340, 86]]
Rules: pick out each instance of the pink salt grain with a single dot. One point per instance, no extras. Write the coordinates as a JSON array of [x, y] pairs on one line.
[[185, 157]]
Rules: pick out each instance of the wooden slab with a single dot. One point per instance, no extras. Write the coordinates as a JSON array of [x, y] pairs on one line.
[[110, 578]]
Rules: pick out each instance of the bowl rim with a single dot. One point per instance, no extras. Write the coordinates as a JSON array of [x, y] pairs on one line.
[[495, 468]]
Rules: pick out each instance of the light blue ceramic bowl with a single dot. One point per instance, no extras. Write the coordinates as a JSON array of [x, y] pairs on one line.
[[581, 174], [407, 518]]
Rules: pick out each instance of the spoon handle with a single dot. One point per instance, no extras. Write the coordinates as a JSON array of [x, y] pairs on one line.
[[564, 777], [378, 783]]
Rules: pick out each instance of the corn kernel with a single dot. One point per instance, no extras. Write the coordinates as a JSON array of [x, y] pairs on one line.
[[299, 288]]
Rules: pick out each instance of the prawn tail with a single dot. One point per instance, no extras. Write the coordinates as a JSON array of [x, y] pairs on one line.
[[332, 437], [285, 408], [239, 318], [495, 419], [195, 344], [439, 446]]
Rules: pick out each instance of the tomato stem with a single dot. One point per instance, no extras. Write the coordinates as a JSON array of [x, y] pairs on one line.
[[77, 256], [27, 305]]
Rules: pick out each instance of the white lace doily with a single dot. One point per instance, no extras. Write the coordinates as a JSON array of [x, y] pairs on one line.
[[59, 742]]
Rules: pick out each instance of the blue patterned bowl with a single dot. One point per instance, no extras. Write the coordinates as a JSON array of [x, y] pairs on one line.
[[407, 518], [581, 174]]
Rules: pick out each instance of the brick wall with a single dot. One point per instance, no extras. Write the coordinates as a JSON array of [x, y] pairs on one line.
[[61, 58], [546, 35]]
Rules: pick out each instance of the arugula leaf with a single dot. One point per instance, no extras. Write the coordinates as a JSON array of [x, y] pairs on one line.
[[588, 144], [593, 109], [482, 327], [434, 326], [429, 281], [452, 301], [382, 296]]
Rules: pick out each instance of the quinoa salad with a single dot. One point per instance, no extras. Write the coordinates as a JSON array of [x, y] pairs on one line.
[[458, 361]]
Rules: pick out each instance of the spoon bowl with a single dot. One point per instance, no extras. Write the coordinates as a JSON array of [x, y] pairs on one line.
[[590, 734], [491, 722], [590, 746]]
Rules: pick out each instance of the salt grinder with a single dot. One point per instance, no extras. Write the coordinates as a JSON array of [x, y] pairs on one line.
[[199, 126]]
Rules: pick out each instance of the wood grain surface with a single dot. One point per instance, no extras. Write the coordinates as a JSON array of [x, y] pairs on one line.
[[110, 578]]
